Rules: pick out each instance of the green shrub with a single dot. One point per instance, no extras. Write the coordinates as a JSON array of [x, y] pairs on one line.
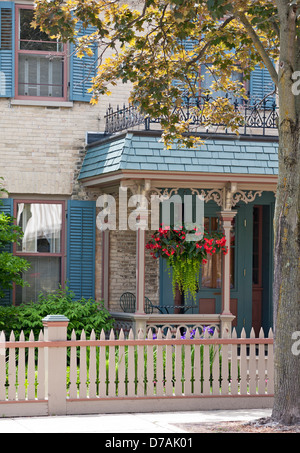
[[83, 314]]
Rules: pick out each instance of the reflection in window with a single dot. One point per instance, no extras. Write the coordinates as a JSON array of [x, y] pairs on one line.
[[41, 225], [212, 270], [43, 276], [33, 38]]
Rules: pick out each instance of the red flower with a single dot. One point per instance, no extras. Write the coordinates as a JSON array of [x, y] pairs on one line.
[[221, 241]]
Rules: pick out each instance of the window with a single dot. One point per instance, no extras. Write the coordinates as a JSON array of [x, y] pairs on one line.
[[42, 245], [40, 61], [212, 270], [34, 67], [208, 79]]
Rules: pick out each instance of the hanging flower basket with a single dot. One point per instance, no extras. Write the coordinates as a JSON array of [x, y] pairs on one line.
[[185, 251]]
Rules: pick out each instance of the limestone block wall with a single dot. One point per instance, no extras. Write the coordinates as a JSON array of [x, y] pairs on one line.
[[42, 147]]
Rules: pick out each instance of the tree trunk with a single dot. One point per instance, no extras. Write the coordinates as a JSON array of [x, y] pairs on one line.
[[286, 287]]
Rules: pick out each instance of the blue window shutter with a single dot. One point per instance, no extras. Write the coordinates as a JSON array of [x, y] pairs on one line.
[[7, 21], [261, 84], [188, 45], [82, 70], [81, 229], [6, 206]]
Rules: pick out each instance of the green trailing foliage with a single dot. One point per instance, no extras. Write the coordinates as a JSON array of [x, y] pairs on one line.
[[185, 250]]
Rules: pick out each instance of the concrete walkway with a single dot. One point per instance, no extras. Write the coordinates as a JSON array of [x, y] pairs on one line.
[[159, 422]]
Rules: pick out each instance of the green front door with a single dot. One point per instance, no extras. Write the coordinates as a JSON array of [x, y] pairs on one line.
[[241, 293]]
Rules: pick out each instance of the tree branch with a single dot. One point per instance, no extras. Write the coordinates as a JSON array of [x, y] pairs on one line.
[[259, 46], [209, 43]]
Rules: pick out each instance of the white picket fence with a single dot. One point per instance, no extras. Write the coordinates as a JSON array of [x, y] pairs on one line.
[[55, 375]]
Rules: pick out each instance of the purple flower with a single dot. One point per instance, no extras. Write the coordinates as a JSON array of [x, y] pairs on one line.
[[210, 330], [192, 335]]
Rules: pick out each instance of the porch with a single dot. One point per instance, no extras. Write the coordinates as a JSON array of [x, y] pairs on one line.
[[235, 178]]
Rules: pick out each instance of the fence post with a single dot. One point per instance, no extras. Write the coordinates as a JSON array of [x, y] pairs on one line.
[[55, 329]]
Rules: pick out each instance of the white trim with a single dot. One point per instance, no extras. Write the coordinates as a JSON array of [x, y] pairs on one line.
[[186, 179]]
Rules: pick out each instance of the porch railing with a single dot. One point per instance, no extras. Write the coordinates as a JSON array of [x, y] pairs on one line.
[[259, 117]]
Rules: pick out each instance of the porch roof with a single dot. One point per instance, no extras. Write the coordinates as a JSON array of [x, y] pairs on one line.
[[145, 152]]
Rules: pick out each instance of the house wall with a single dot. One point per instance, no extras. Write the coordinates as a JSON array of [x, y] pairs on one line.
[[42, 147], [42, 142]]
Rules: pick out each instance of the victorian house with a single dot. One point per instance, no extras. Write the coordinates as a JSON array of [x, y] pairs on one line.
[[59, 154]]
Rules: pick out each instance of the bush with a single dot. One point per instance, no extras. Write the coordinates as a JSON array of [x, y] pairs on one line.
[[83, 314]]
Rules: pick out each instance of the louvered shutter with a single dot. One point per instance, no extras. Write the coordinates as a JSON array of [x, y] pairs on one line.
[[261, 84], [6, 49], [81, 222], [6, 206], [189, 45], [82, 70]]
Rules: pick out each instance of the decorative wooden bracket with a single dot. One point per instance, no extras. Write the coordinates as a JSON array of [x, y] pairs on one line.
[[226, 197]]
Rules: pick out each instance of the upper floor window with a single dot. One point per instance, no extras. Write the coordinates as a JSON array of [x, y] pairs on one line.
[[41, 69], [208, 79]]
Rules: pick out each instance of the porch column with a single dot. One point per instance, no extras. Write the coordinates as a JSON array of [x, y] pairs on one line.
[[140, 261], [105, 268], [140, 270], [226, 316]]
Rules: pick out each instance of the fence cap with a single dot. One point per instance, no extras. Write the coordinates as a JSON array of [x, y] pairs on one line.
[[55, 318]]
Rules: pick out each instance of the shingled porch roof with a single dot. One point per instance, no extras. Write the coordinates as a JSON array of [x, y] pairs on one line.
[[145, 152]]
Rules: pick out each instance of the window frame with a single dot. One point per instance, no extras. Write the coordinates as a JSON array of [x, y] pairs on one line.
[[18, 52], [60, 255]]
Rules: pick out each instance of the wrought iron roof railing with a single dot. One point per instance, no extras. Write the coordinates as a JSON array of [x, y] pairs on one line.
[[258, 117]]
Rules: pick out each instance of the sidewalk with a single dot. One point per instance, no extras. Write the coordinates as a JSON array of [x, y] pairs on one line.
[[159, 422]]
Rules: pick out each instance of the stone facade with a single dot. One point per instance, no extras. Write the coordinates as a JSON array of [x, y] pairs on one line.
[[42, 147]]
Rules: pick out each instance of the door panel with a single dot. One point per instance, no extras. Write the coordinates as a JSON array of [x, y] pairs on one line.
[[257, 281], [207, 306], [243, 286], [234, 311]]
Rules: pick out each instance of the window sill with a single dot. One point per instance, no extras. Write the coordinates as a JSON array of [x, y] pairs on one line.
[[33, 103]]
